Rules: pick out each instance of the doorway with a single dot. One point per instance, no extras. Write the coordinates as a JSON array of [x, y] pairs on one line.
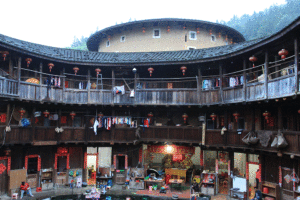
[[92, 168]]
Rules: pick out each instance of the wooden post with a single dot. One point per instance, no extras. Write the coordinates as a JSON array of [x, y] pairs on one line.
[[221, 83], [135, 86], [245, 82], [280, 124], [253, 118], [7, 114], [63, 85], [199, 86], [113, 85], [89, 86], [33, 125], [247, 176], [266, 66], [41, 80], [296, 66], [19, 75], [276, 67], [10, 67], [113, 127]]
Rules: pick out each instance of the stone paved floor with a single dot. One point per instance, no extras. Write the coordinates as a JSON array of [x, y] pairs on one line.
[[64, 190]]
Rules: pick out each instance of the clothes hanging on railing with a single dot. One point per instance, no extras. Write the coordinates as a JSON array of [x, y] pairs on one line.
[[236, 81], [119, 89]]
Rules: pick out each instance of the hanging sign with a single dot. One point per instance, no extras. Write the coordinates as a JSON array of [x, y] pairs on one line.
[[287, 178]]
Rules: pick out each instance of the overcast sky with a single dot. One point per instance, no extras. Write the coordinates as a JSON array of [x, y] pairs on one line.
[[56, 22]]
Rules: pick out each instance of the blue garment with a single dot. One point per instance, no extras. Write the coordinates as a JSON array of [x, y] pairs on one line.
[[28, 192]]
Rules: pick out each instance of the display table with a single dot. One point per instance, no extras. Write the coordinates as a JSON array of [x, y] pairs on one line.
[[239, 194], [174, 182], [176, 172], [154, 182]]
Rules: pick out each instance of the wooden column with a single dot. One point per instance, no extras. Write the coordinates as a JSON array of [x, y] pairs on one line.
[[63, 85], [266, 66], [113, 85], [135, 86], [280, 123], [296, 66], [263, 168], [231, 159], [276, 67], [253, 118], [10, 67], [19, 75], [7, 114], [41, 80], [247, 175], [199, 86], [33, 125], [221, 83], [245, 82], [89, 86]]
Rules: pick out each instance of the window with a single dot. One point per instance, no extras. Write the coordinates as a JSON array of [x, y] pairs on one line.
[[107, 43], [122, 38], [156, 33], [193, 35], [213, 38]]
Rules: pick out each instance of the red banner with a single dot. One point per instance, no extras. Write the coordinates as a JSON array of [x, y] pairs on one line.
[[8, 162], [201, 158], [280, 177], [247, 171], [141, 155], [173, 150]]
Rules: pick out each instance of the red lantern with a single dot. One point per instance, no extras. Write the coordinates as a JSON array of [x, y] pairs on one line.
[[183, 68], [72, 114], [28, 60], [213, 116], [144, 29], [198, 30], [76, 69], [150, 69], [299, 111], [46, 113], [150, 115], [168, 29], [98, 71], [236, 116], [4, 54], [22, 112], [253, 59], [266, 114], [210, 32], [220, 35], [226, 37], [108, 38], [7, 152], [185, 116], [51, 65], [283, 53], [100, 114]]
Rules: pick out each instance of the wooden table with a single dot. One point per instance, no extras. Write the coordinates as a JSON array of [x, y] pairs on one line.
[[175, 182], [153, 182]]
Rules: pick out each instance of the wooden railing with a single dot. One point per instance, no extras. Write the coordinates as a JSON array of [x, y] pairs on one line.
[[279, 87], [180, 135]]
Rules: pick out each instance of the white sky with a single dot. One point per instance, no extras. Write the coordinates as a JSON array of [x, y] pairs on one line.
[[56, 22]]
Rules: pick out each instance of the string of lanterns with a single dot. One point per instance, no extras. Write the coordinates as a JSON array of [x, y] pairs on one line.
[[4, 54], [28, 61]]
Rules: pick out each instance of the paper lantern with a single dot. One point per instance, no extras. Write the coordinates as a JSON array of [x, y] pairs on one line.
[[46, 113], [266, 114], [22, 112], [183, 69], [144, 29], [28, 60], [253, 59], [72, 114], [213, 116], [150, 69], [168, 28], [4, 54], [51, 65], [76, 69], [198, 30], [100, 114], [236, 116], [33, 80], [150, 114], [283, 53], [185, 116], [98, 71]]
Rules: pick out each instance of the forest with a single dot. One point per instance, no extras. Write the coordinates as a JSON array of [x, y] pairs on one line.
[[257, 25]]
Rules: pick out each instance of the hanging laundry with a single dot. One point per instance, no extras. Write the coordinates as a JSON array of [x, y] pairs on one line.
[[108, 123], [242, 80], [146, 123], [96, 124], [119, 89], [55, 81], [100, 122], [58, 82]]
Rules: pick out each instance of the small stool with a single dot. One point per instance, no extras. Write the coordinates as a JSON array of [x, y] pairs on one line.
[[14, 196]]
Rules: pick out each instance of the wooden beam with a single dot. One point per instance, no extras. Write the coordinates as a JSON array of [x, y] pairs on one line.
[[296, 64], [244, 83]]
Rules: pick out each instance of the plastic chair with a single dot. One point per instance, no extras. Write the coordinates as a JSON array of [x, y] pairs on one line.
[[14, 196]]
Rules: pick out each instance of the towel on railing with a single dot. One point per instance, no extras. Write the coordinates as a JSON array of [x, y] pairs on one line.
[[119, 89]]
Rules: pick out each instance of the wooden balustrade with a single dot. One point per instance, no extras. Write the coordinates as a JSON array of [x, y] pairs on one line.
[[8, 87]]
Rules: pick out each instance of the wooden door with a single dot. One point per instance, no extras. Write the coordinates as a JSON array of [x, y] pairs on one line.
[[3, 177], [287, 184]]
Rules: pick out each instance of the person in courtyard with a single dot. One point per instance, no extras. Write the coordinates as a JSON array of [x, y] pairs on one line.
[[257, 178], [25, 188], [258, 195], [195, 187]]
